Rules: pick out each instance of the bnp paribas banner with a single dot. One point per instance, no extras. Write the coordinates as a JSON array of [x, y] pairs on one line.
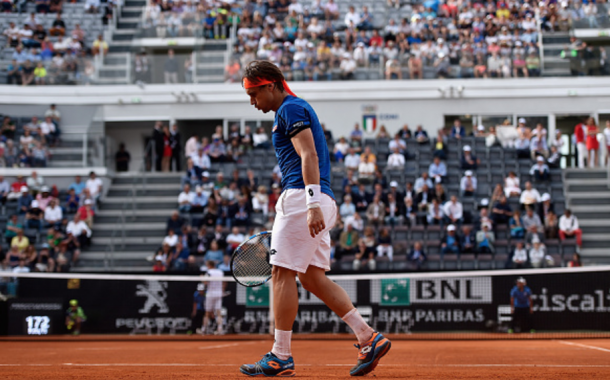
[[561, 301]]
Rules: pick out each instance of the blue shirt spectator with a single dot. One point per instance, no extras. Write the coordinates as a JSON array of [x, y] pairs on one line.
[[20, 55], [437, 168], [213, 256], [77, 185]]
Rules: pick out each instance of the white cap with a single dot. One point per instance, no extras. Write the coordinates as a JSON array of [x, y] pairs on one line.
[[360, 43], [34, 204], [481, 127], [521, 121], [535, 239], [451, 227], [45, 189], [440, 41], [484, 202], [158, 258], [521, 279], [393, 184], [200, 287], [545, 197], [540, 159], [486, 224], [468, 173], [310, 45], [205, 174], [198, 189], [88, 202], [466, 148], [24, 189]]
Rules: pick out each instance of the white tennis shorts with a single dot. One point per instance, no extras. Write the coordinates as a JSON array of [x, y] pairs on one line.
[[292, 246], [213, 303]]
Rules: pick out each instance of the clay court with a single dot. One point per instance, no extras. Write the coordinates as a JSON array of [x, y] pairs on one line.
[[212, 359]]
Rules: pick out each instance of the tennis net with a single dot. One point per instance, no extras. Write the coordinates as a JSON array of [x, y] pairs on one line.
[[447, 305]]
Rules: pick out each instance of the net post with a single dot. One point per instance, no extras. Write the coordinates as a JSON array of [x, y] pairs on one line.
[[271, 315]]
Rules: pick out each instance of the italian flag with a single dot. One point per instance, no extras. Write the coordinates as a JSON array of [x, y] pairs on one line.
[[369, 123]]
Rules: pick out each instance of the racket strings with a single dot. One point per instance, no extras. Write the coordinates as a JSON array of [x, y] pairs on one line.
[[251, 261]]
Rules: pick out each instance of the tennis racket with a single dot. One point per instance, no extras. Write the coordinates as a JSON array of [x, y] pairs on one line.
[[250, 261]]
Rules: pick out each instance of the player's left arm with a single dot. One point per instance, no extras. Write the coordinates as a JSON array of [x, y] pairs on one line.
[[305, 147]]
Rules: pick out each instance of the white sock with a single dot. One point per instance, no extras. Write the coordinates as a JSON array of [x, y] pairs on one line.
[[219, 322], [354, 320], [281, 347]]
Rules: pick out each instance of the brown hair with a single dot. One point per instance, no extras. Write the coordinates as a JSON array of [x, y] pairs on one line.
[[257, 70]]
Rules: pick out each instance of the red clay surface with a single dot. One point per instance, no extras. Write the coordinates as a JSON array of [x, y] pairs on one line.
[[539, 359]]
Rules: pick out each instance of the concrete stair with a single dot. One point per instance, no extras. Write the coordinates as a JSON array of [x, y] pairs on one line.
[[588, 196], [131, 227]]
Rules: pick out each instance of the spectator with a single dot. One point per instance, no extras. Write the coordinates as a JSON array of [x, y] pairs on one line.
[[86, 213], [545, 206], [468, 240], [34, 216], [72, 201], [421, 181], [581, 147], [77, 185], [531, 221], [384, 246], [417, 257], [529, 196], [81, 232], [469, 161], [575, 262], [519, 256], [167, 150], [365, 255], [35, 182], [522, 147], [122, 158], [158, 266], [423, 198], [437, 170], [511, 185], [435, 213], [242, 213], [20, 241], [375, 212], [393, 210], [171, 239], [12, 227], [348, 241], [200, 200], [347, 208], [234, 239], [174, 223], [551, 225], [218, 151], [396, 161], [468, 184], [398, 143], [340, 149], [607, 138], [5, 190], [367, 166], [554, 159], [100, 46], [453, 211], [458, 131], [485, 239], [568, 227], [538, 146], [450, 243], [540, 170], [501, 212], [185, 199], [95, 186], [53, 214], [439, 193], [537, 253], [24, 201], [592, 144], [352, 160], [420, 135], [47, 129], [260, 139], [260, 201]]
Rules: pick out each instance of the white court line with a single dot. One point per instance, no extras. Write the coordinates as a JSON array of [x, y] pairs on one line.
[[221, 346], [584, 346], [306, 365]]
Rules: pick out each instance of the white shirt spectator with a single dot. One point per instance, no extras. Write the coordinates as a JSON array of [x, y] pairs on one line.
[[396, 161], [357, 224], [235, 238], [19, 269], [420, 182], [537, 167], [400, 144], [47, 128], [259, 138], [190, 148], [511, 185], [53, 214], [341, 147], [464, 183], [352, 17], [186, 197], [453, 209], [92, 4], [297, 7], [352, 161], [520, 255], [77, 228], [529, 197], [348, 65], [171, 240], [537, 255], [568, 224], [94, 186], [201, 161]]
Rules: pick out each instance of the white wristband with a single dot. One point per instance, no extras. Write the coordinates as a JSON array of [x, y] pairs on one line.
[[312, 194]]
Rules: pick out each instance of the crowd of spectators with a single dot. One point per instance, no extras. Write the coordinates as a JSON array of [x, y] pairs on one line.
[[451, 39], [28, 145], [56, 55], [50, 227], [370, 206]]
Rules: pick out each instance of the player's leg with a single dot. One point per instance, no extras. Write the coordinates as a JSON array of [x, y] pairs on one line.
[[218, 312]]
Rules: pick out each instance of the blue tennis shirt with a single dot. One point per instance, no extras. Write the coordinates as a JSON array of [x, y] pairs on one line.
[[521, 297], [294, 116]]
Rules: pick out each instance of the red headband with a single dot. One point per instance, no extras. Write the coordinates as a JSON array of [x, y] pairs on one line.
[[261, 82]]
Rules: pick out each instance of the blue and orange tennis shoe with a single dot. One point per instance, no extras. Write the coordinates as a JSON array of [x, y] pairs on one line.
[[370, 353], [270, 366]]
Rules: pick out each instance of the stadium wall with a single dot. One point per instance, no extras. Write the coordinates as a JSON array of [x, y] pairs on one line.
[[339, 104]]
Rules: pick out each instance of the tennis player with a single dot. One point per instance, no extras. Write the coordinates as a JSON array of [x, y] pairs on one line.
[[305, 212], [213, 299]]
